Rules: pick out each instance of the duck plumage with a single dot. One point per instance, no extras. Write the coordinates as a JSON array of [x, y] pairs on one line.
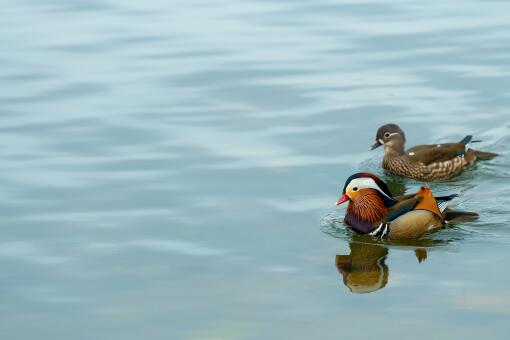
[[374, 211], [425, 162]]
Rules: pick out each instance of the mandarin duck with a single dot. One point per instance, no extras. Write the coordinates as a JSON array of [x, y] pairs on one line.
[[425, 162], [374, 211]]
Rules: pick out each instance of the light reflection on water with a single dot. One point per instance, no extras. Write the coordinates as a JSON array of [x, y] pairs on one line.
[[165, 166]]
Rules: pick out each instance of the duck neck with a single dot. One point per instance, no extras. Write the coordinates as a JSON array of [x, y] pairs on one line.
[[368, 207], [394, 148]]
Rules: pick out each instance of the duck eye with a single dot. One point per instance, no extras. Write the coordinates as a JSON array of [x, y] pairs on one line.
[[386, 134], [355, 189]]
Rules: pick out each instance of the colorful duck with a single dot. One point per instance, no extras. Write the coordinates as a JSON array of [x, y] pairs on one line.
[[425, 162], [374, 211]]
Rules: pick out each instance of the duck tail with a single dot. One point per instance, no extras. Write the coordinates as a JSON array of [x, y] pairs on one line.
[[460, 216], [481, 155], [484, 155], [446, 198], [466, 140]]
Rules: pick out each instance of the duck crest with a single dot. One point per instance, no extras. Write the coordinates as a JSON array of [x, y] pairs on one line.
[[376, 179]]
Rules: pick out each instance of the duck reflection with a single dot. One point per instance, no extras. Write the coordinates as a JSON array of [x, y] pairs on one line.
[[364, 270]]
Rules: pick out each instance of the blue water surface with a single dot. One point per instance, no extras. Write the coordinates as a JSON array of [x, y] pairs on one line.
[[168, 168]]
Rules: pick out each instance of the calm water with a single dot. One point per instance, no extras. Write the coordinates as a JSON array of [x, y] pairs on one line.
[[168, 168]]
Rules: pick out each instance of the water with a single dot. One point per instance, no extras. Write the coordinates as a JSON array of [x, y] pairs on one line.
[[166, 166]]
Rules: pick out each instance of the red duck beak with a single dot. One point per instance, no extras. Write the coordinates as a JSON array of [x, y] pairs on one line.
[[344, 198]]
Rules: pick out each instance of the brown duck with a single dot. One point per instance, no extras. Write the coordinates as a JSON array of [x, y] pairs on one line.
[[425, 162], [372, 210]]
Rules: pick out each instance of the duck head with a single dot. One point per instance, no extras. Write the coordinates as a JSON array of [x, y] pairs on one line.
[[362, 184], [392, 137]]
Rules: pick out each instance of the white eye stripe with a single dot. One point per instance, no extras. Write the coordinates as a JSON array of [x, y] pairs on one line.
[[364, 183], [387, 135]]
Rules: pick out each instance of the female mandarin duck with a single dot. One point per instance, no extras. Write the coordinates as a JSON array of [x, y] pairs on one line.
[[424, 162], [374, 211]]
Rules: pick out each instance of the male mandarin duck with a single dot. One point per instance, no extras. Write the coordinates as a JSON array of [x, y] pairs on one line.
[[374, 211], [425, 162]]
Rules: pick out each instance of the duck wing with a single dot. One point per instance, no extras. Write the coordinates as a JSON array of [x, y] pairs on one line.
[[422, 200], [402, 207], [428, 154]]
